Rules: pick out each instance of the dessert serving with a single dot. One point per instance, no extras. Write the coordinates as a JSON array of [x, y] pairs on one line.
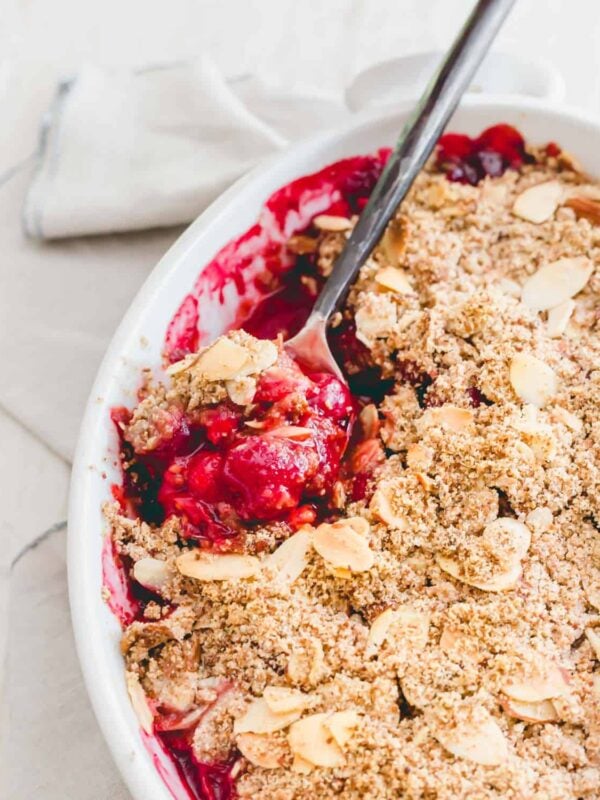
[[391, 588]]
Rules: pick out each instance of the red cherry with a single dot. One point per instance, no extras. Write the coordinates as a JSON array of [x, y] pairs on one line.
[[266, 475]]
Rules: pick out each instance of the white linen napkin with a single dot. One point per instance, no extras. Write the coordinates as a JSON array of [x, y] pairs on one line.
[[124, 150]]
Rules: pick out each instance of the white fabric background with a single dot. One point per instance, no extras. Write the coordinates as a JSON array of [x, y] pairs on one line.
[[60, 302]]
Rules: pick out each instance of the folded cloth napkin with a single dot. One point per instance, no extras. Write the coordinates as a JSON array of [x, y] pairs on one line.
[[124, 150]]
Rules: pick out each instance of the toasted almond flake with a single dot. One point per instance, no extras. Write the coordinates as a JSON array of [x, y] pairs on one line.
[[241, 391], [222, 360], [394, 241], [262, 354], [342, 547], [498, 583], [394, 279], [215, 567], [593, 637], [592, 592], [369, 421], [289, 560], [371, 326], [419, 457], [282, 700], [261, 750], [538, 203], [585, 207], [301, 766], [544, 680], [331, 223], [382, 508], [260, 719], [556, 282], [151, 573], [341, 725], [541, 711], [139, 702], [481, 742], [311, 740], [448, 416], [558, 318], [358, 524], [515, 533], [296, 433], [459, 645], [540, 519], [379, 629], [533, 381], [302, 245]]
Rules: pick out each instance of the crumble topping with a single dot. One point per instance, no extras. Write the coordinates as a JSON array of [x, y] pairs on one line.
[[439, 637]]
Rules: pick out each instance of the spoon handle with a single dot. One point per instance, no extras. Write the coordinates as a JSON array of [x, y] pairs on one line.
[[417, 140]]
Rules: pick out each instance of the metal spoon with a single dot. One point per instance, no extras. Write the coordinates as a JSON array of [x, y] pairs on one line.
[[417, 140]]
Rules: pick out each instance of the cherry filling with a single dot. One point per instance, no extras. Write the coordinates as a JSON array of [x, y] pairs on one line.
[[467, 160], [220, 472]]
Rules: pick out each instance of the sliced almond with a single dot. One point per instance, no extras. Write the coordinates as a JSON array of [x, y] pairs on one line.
[[497, 583], [394, 279], [215, 567], [540, 519], [542, 681], [296, 433], [342, 547], [282, 700], [459, 645], [331, 223], [301, 766], [593, 637], [241, 391], [516, 535], [379, 630], [479, 741], [383, 508], [419, 456], [261, 750], [538, 203], [260, 719], [341, 725], [139, 702], [369, 421], [394, 241], [262, 354], [151, 573], [222, 360], [290, 559], [448, 416], [302, 245], [585, 207], [533, 381], [312, 741], [558, 318], [542, 711], [556, 282]]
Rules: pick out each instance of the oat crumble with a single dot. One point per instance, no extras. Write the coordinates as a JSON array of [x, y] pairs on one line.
[[441, 638]]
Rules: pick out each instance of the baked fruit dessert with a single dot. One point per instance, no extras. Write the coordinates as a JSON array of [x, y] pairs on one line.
[[389, 589]]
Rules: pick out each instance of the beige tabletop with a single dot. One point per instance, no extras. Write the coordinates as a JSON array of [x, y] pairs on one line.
[[60, 302]]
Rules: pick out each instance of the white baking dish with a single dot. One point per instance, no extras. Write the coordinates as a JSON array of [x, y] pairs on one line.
[[137, 343]]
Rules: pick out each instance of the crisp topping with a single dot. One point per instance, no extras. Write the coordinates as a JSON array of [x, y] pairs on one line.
[[434, 630]]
